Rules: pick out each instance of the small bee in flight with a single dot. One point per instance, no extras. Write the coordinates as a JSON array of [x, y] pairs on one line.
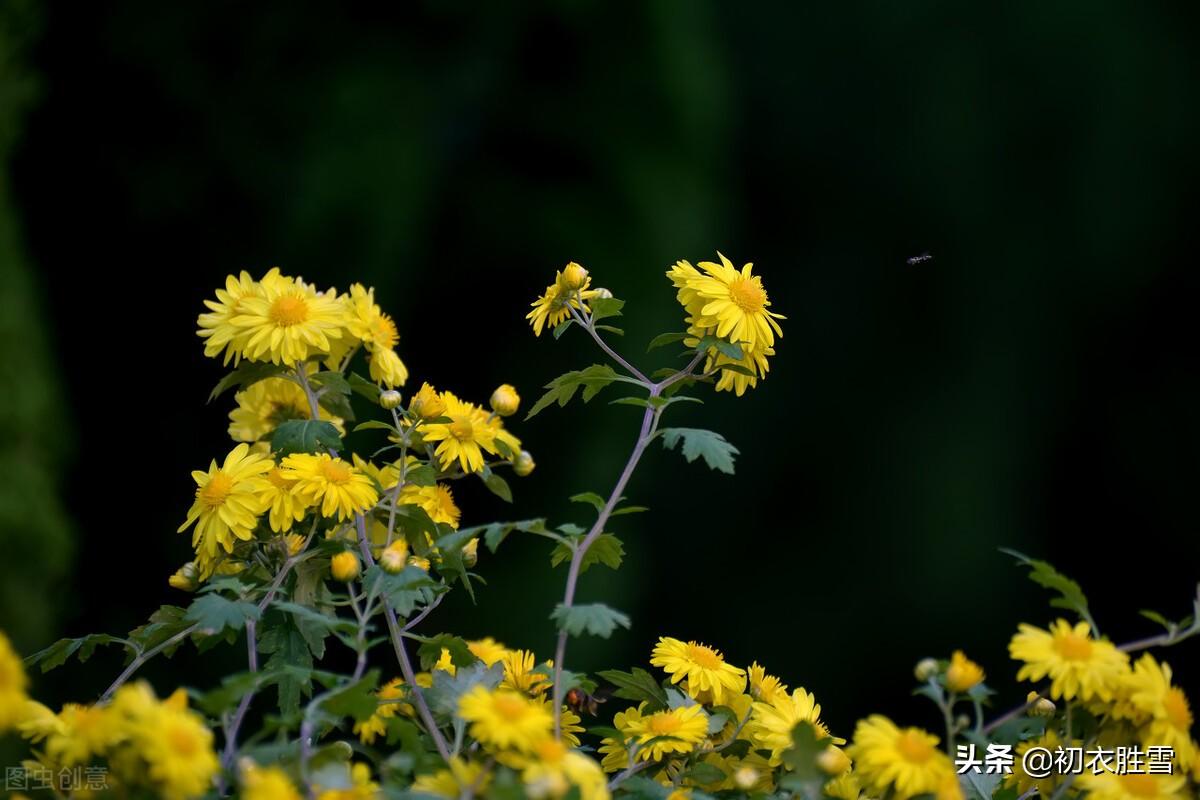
[[912, 262], [580, 701]]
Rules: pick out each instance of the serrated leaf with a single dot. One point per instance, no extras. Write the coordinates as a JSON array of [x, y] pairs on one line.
[[1070, 595], [605, 549], [164, 623], [214, 613], [249, 372], [305, 436], [363, 387], [637, 685], [422, 475], [727, 349], [58, 653], [801, 757], [563, 388], [603, 307], [357, 700], [447, 689], [702, 773], [403, 591], [292, 661], [699, 443], [594, 618], [431, 648], [665, 339], [330, 381], [495, 533]]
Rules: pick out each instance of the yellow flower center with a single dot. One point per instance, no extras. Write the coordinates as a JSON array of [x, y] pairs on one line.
[[1073, 647], [1177, 708], [705, 657], [216, 490], [182, 741], [664, 724], [462, 430], [550, 750], [289, 310], [1139, 784], [748, 294], [509, 706], [914, 748], [336, 471], [383, 331]]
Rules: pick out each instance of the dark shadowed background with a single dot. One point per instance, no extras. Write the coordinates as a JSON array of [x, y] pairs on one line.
[[1034, 385]]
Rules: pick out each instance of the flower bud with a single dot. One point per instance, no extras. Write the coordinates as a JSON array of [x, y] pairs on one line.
[[574, 277], [186, 578], [394, 557], [294, 543], [523, 464], [470, 553], [926, 668], [963, 674], [389, 399], [603, 294], [833, 761], [505, 400], [962, 722], [345, 566], [1039, 706], [419, 562], [745, 778], [427, 404]]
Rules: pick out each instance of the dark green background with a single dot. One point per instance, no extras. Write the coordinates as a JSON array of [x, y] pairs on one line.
[[1032, 386]]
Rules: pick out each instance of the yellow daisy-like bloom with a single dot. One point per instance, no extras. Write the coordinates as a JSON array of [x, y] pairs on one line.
[[764, 687], [844, 787], [754, 359], [735, 304], [676, 730], [1023, 781], [264, 405], [375, 725], [704, 668], [445, 663], [387, 368], [615, 752], [553, 769], [504, 718], [487, 650], [13, 681], [464, 438], [683, 275], [83, 732], [289, 321], [366, 320], [906, 761], [554, 306], [386, 476], [437, 501], [1134, 786], [177, 748], [1150, 691], [963, 674], [519, 674], [215, 326], [330, 482], [228, 503], [284, 506], [427, 403], [451, 783], [770, 726], [1077, 664], [266, 783]]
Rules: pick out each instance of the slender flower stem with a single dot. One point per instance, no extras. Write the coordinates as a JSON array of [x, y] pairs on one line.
[[589, 325], [142, 658], [231, 731]]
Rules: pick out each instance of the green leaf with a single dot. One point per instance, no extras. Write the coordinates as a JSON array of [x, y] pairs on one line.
[[447, 689], [337, 404], [496, 532], [563, 388], [214, 613], [710, 446], [57, 654], [591, 498], [403, 591], [496, 485], [305, 436], [727, 349], [374, 425], [247, 373], [330, 381], [629, 510], [637, 686], [594, 618], [422, 475], [431, 650], [611, 329], [979, 786], [164, 623], [606, 549], [291, 659], [703, 773], [664, 339], [741, 369], [561, 328], [1070, 595], [363, 387], [801, 757], [357, 700], [604, 307]]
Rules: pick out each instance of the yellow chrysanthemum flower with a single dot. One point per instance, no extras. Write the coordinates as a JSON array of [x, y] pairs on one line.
[[437, 501], [451, 783], [1024, 782], [735, 304], [387, 368], [388, 695], [708, 676], [553, 769], [504, 718], [520, 675], [554, 306], [83, 732], [487, 650], [13, 681], [361, 787], [753, 360], [1170, 716], [215, 326], [764, 687], [844, 787], [228, 503], [770, 726], [332, 483], [963, 674], [427, 403], [366, 320], [1134, 786], [464, 438], [177, 748], [1077, 664], [266, 783], [284, 506], [264, 405], [615, 752], [906, 762], [289, 321], [675, 730]]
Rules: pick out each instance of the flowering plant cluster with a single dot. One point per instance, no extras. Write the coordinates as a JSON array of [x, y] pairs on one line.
[[308, 555]]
